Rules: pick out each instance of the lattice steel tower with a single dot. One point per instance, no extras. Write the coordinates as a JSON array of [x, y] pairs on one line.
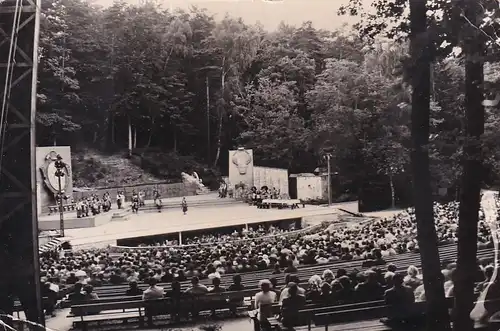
[[19, 269]]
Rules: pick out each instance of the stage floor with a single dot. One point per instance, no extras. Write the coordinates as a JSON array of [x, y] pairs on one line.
[[173, 221]]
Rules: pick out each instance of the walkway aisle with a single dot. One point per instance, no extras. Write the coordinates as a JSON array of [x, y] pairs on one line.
[[60, 322]]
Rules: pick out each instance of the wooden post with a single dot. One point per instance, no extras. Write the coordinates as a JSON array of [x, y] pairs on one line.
[[180, 238]]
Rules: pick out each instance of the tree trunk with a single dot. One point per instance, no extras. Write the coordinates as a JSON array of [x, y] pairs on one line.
[[135, 137], [151, 131], [437, 312], [112, 129], [129, 137], [175, 139], [221, 114], [470, 194], [393, 193], [208, 119]]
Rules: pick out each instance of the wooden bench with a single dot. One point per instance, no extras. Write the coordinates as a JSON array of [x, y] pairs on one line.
[[373, 314], [66, 208], [302, 274], [126, 311], [302, 270], [446, 251]]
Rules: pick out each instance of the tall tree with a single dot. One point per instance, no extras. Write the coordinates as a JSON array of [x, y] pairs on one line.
[[472, 177], [421, 58]]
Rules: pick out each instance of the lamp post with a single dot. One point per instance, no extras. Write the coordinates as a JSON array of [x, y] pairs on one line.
[[60, 165], [328, 156]]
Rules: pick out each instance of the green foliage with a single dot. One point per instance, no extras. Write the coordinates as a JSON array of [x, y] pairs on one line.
[[291, 95]]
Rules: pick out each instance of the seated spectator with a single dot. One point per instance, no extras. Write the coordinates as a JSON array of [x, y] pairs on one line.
[[116, 279], [77, 296], [277, 269], [284, 293], [95, 280], [89, 293], [290, 267], [488, 273], [375, 260], [325, 297], [291, 306], [196, 288], [370, 289], [412, 278], [328, 276], [343, 292], [235, 286], [400, 297], [389, 279], [51, 299], [133, 289], [154, 291], [175, 295], [217, 288], [71, 279], [263, 303]]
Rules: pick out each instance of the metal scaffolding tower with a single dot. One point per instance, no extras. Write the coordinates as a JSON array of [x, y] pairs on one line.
[[20, 276]]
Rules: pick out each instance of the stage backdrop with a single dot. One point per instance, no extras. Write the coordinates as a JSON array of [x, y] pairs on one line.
[[46, 181], [241, 167], [271, 177], [309, 186]]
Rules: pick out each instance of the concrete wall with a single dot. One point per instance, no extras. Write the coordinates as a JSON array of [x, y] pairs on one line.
[[44, 195], [241, 167], [271, 177], [166, 190], [309, 188]]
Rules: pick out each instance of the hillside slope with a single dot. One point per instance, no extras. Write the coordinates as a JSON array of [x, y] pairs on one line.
[[94, 169]]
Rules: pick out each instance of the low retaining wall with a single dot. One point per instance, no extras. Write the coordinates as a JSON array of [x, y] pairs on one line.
[[174, 190], [304, 231]]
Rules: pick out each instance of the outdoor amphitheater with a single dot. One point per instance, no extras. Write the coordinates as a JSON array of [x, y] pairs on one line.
[[206, 268]]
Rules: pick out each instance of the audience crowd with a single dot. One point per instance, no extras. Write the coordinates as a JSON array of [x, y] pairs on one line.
[[371, 242]]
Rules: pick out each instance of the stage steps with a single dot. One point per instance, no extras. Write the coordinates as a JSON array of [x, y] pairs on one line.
[[150, 207], [121, 214]]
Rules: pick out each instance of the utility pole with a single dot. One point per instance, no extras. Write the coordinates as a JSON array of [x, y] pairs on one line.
[[60, 165], [328, 156]]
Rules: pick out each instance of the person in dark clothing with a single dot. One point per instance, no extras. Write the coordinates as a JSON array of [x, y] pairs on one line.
[[71, 279], [175, 294], [133, 289], [400, 298], [51, 299], [370, 289], [235, 286], [116, 279], [290, 267], [291, 306], [375, 261], [77, 296]]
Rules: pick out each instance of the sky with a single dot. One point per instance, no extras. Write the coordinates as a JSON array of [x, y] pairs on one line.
[[322, 13]]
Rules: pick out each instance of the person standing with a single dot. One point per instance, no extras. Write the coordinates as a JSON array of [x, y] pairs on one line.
[[184, 205]]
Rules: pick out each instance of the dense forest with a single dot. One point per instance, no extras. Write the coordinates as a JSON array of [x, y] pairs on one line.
[[142, 78]]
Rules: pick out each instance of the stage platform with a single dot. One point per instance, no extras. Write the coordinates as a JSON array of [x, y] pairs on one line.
[[173, 221], [51, 222]]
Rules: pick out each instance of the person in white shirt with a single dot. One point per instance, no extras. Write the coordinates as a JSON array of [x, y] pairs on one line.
[[153, 292], [263, 303]]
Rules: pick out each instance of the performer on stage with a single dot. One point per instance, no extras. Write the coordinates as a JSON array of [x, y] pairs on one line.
[[120, 199], [157, 200], [184, 205], [135, 202]]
